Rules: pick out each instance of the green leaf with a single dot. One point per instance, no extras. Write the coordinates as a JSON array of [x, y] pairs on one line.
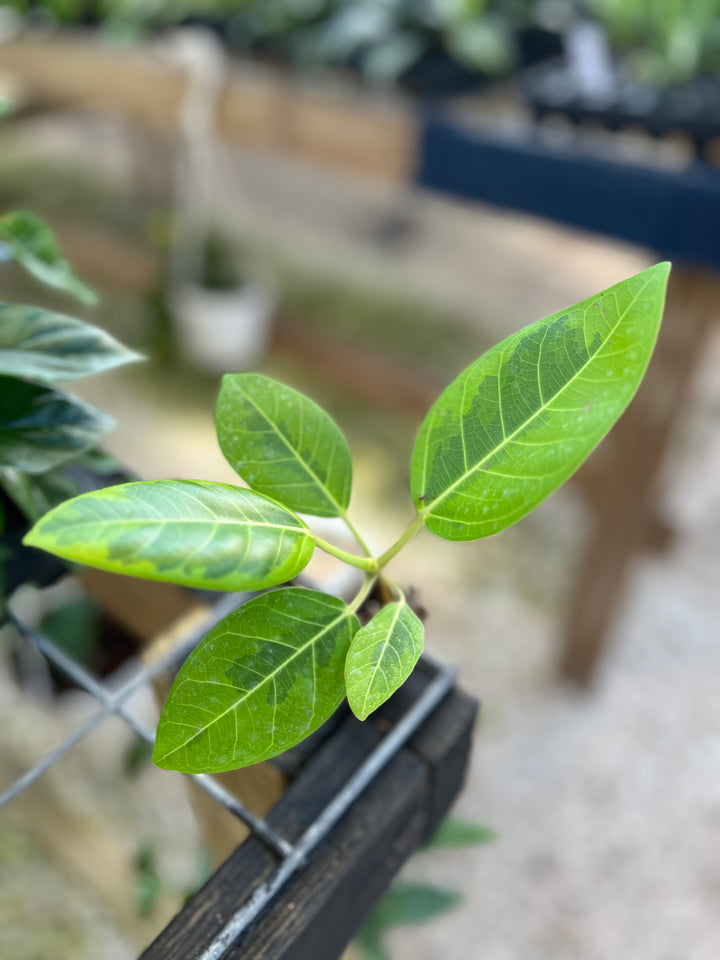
[[283, 444], [32, 243], [261, 681], [521, 419], [41, 345], [405, 904], [453, 833], [208, 535], [382, 656], [36, 494], [41, 428]]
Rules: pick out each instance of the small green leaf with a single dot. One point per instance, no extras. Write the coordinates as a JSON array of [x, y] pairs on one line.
[[208, 535], [283, 444], [261, 681], [148, 885], [41, 345], [41, 428], [32, 243], [405, 904], [453, 833], [521, 419], [382, 656]]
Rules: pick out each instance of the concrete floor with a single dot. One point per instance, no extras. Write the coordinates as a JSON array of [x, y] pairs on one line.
[[606, 802]]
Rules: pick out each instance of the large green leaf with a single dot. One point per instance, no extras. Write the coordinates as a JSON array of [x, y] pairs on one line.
[[32, 243], [284, 444], [521, 419], [382, 656], [40, 428], [42, 345], [208, 535], [263, 679]]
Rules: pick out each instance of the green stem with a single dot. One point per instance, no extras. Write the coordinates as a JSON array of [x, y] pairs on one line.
[[364, 563], [362, 595], [411, 531], [355, 532]]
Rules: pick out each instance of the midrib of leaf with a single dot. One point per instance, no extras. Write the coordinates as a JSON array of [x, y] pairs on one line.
[[380, 658], [430, 507], [346, 614], [295, 454]]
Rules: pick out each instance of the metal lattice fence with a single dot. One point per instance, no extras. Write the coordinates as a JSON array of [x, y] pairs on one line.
[[290, 857]]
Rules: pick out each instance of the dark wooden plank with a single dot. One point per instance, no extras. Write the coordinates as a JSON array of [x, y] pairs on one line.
[[674, 212], [625, 508], [324, 905], [231, 885]]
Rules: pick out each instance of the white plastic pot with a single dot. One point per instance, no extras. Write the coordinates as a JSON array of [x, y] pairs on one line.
[[223, 330]]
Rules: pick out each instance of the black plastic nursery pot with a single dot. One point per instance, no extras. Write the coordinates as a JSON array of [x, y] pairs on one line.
[[691, 109]]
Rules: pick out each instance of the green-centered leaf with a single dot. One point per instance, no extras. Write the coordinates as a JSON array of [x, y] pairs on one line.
[[41, 428], [32, 243], [42, 345], [198, 534], [283, 444], [521, 419], [382, 656], [262, 680]]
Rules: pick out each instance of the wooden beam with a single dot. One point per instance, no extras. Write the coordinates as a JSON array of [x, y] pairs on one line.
[[331, 125], [323, 906], [625, 501]]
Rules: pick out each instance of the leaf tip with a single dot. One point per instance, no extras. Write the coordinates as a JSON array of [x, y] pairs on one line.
[[360, 711]]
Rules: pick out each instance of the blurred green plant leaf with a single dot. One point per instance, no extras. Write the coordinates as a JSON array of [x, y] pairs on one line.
[[264, 678], [137, 756], [284, 445], [74, 627], [38, 493], [382, 656], [47, 346], [148, 884], [454, 833], [521, 419], [403, 905], [208, 535], [32, 244], [41, 428]]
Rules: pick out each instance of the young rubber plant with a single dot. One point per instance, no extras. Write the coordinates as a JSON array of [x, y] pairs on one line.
[[505, 434]]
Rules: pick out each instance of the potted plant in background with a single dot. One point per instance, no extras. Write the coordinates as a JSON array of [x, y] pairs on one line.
[[224, 318]]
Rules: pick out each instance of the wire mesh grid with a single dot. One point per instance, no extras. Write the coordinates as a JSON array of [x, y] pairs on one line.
[[290, 856]]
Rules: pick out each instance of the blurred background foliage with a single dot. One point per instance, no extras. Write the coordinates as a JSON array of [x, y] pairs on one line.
[[655, 41]]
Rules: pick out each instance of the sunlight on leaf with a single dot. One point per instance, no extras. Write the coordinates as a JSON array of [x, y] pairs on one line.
[[521, 419], [382, 656], [284, 445], [198, 534]]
